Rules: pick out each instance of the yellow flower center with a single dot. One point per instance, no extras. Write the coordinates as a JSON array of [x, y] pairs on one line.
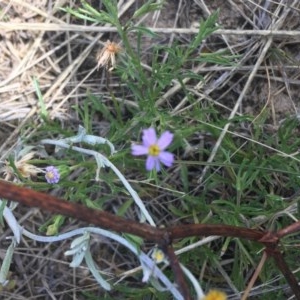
[[154, 150], [215, 295], [158, 255], [50, 175]]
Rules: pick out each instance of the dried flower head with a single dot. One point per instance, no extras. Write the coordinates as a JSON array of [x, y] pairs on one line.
[[107, 56], [52, 175], [25, 169]]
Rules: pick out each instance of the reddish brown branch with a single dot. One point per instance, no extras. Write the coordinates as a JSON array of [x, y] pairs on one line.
[[102, 219], [161, 236], [109, 221], [187, 230], [283, 267], [179, 276], [293, 228]]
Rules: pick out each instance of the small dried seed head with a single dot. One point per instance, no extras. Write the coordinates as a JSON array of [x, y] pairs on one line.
[[107, 55]]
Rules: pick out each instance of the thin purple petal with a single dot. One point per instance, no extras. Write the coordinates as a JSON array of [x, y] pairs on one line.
[[157, 165], [152, 162], [166, 158], [149, 137], [139, 150], [165, 140]]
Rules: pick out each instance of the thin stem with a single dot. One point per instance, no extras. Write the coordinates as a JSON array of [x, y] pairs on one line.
[[283, 267], [177, 232], [103, 29], [295, 227], [254, 277], [179, 276]]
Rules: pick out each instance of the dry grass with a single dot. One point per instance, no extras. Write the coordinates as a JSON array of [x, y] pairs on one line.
[[40, 41]]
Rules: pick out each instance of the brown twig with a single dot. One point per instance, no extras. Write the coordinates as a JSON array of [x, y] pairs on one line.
[[162, 236], [177, 232], [179, 276], [55, 205], [254, 277], [293, 228], [109, 221], [283, 267]]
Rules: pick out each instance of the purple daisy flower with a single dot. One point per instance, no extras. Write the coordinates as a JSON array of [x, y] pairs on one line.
[[52, 175], [154, 147]]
